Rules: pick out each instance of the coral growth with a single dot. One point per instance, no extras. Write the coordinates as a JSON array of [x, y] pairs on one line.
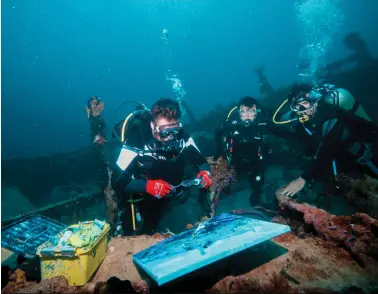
[[276, 284], [222, 177], [363, 193], [60, 285], [309, 266], [17, 280], [111, 202], [202, 219], [358, 233]]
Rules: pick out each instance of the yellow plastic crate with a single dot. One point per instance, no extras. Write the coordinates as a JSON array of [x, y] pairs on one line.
[[78, 266]]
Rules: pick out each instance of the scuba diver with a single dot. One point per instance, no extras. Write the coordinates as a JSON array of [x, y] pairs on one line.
[[339, 125], [241, 140], [145, 177], [266, 88]]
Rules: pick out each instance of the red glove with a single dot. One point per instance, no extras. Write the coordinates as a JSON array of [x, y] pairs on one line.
[[206, 179], [158, 188]]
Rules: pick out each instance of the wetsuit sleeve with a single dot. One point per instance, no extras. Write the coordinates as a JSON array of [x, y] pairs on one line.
[[195, 156], [284, 131], [123, 178], [328, 149]]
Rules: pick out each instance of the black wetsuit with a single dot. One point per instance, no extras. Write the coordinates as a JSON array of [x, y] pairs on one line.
[[340, 133], [245, 148], [130, 183]]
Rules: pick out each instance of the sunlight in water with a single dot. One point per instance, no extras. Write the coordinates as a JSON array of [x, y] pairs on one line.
[[177, 88], [165, 13], [319, 21]]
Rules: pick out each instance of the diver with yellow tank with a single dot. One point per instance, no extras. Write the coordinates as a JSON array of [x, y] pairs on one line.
[[340, 124], [146, 161], [242, 141], [146, 171]]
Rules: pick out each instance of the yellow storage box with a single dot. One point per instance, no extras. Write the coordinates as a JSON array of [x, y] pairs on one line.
[[75, 253]]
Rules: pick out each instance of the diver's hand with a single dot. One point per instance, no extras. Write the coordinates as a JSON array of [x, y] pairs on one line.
[[158, 188], [294, 187], [99, 140], [205, 179]]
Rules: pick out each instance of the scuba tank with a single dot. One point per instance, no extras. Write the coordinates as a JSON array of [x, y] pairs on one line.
[[135, 128], [327, 95], [343, 99]]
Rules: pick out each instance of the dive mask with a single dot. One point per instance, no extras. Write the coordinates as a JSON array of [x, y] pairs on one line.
[[302, 111], [300, 108], [171, 131], [251, 111]]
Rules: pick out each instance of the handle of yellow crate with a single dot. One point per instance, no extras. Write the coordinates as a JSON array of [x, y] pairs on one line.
[[133, 216], [58, 252]]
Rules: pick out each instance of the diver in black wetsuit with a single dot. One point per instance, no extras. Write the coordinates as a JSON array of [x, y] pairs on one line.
[[241, 139], [145, 178], [266, 88], [339, 123]]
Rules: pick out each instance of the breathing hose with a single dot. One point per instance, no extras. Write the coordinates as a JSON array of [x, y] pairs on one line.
[[277, 111], [122, 138]]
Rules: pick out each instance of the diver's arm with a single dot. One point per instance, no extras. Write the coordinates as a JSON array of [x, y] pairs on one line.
[[284, 132], [124, 182], [122, 177]]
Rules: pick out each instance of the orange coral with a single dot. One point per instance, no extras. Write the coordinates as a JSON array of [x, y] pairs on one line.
[[202, 219], [357, 232], [17, 280], [222, 176]]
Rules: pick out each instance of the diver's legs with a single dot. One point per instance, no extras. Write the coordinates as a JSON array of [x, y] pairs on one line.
[[256, 180], [126, 219], [147, 215], [366, 155], [151, 210], [111, 207]]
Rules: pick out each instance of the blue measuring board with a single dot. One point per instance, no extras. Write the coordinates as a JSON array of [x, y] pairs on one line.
[[210, 241]]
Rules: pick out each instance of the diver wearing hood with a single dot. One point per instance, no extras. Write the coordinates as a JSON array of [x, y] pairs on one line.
[[146, 176], [338, 122], [241, 139]]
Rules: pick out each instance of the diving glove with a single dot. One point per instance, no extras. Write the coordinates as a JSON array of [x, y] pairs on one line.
[[158, 188], [205, 177]]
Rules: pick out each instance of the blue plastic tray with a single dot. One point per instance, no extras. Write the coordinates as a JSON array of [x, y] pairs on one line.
[[209, 242], [26, 235]]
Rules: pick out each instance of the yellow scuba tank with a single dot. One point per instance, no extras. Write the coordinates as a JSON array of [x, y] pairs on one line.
[[345, 100], [123, 132], [135, 124]]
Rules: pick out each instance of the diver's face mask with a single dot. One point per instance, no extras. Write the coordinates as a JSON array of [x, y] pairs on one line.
[[304, 107], [247, 114], [167, 132]]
